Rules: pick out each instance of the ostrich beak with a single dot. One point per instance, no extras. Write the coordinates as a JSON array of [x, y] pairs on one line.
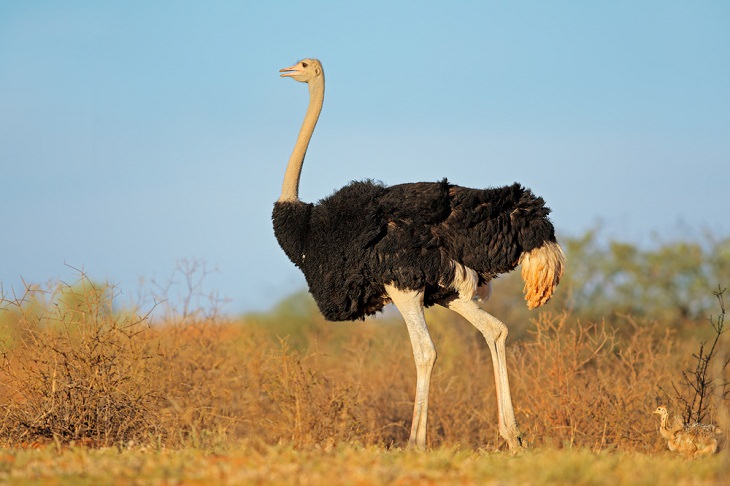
[[290, 71]]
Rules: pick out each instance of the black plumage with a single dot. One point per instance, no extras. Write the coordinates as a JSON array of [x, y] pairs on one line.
[[366, 235]]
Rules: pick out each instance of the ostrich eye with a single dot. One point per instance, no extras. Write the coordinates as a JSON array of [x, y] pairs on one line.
[[304, 64]]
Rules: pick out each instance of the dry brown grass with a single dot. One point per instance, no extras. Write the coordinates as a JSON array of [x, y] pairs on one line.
[[74, 369], [77, 370]]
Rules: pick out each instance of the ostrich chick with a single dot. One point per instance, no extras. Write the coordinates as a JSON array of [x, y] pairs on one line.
[[669, 426], [692, 440], [697, 439]]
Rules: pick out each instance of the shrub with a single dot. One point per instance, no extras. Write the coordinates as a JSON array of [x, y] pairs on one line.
[[585, 384], [74, 369]]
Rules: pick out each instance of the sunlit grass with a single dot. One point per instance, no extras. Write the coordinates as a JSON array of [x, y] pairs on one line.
[[351, 464]]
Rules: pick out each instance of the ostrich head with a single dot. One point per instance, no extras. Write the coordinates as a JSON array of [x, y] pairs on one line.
[[661, 411], [304, 71]]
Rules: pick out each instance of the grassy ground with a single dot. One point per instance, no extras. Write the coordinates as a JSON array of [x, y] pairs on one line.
[[355, 465]]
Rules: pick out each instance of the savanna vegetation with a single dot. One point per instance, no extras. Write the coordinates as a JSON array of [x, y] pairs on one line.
[[181, 392]]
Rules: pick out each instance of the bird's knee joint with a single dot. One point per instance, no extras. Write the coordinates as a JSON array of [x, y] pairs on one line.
[[496, 333], [427, 357], [502, 331]]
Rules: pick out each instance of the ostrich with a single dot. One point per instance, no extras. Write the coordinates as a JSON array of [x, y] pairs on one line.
[[415, 245], [693, 440], [669, 426]]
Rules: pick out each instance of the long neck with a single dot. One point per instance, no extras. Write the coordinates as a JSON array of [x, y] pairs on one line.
[[290, 188], [665, 422]]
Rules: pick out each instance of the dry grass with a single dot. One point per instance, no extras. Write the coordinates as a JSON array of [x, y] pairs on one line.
[[351, 464], [75, 370], [78, 371]]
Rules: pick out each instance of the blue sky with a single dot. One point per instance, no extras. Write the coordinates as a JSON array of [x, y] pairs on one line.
[[136, 134]]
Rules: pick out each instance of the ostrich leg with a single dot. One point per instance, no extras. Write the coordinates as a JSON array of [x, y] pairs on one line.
[[410, 305], [495, 333]]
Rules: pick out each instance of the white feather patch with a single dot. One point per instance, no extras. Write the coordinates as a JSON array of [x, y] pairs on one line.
[[465, 282]]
